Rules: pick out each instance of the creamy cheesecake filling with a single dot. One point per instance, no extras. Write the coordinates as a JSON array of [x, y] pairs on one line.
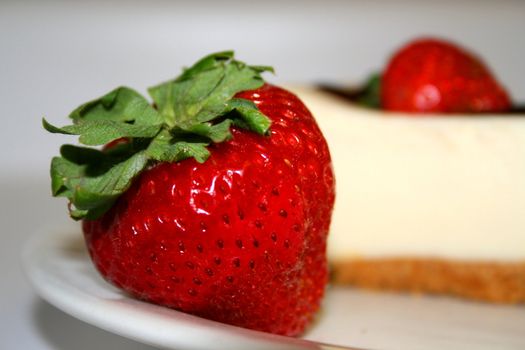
[[443, 187]]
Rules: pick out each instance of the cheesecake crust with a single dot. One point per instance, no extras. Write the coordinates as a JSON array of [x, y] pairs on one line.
[[475, 280]]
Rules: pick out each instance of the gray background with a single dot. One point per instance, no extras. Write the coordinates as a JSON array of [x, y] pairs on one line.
[[56, 55]]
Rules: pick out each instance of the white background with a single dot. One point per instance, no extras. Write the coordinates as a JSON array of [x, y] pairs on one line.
[[56, 55]]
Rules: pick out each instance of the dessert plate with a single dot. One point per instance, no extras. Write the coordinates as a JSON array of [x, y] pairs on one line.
[[60, 270]]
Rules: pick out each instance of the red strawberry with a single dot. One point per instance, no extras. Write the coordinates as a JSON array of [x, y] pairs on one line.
[[431, 75], [239, 238]]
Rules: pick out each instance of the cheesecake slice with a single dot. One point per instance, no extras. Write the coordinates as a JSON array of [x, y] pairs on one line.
[[426, 204]]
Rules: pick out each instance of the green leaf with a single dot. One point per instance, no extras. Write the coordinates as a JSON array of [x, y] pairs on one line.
[[64, 176], [370, 95], [262, 69], [200, 94], [100, 132], [164, 149], [215, 132], [189, 112], [122, 105], [82, 155], [78, 214], [93, 192], [89, 194], [250, 117], [208, 62], [237, 77]]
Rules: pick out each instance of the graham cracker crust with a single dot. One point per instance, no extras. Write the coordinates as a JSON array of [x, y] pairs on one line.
[[482, 281]]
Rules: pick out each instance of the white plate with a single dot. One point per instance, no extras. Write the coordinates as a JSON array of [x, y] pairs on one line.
[[59, 268]]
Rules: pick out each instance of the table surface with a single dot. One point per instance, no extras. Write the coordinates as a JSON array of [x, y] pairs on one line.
[[56, 55]]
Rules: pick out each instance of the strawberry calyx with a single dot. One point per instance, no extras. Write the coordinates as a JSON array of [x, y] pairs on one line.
[[188, 114]]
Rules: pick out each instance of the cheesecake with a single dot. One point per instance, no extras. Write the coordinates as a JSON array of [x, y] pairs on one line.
[[425, 204]]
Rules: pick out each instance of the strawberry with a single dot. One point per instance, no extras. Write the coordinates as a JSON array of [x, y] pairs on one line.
[[431, 75], [238, 237]]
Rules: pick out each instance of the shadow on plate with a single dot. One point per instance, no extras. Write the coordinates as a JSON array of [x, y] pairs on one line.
[[64, 332]]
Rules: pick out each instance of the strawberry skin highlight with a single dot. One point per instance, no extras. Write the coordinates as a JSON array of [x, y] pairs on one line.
[[240, 238]]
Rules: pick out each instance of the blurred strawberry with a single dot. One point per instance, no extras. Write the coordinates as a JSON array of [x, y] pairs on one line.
[[435, 76]]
